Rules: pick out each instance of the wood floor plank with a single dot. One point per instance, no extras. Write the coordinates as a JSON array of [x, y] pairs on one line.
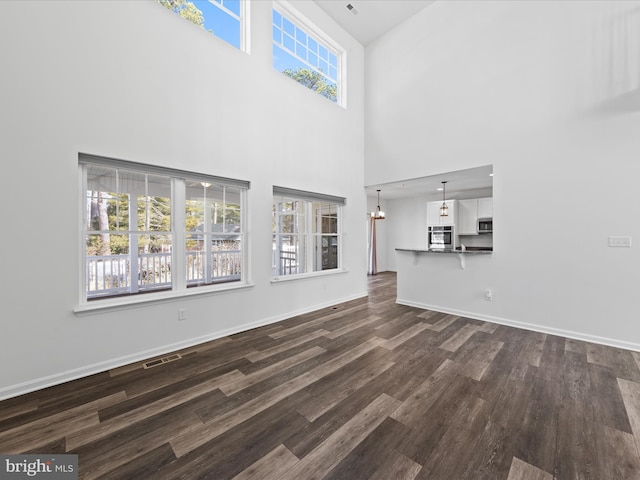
[[510, 402], [606, 399], [239, 383], [451, 457], [636, 357], [412, 370], [328, 454], [576, 346], [340, 361], [18, 440], [283, 347], [631, 398], [235, 450], [203, 433], [429, 426], [576, 377], [524, 471], [456, 341], [317, 322], [91, 433], [366, 459], [323, 400], [351, 326], [424, 396], [47, 429], [148, 465], [478, 364], [617, 454], [492, 455], [397, 466], [538, 434], [399, 339], [444, 322], [576, 458], [270, 467], [18, 409], [131, 443]]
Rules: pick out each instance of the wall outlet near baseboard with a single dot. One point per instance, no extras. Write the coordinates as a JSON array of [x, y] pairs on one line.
[[182, 314], [488, 295]]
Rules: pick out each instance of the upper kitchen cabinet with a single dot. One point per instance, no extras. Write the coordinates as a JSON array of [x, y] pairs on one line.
[[433, 213], [468, 217], [485, 207], [470, 211]]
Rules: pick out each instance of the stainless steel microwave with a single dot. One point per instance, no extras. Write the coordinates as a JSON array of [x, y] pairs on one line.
[[485, 225]]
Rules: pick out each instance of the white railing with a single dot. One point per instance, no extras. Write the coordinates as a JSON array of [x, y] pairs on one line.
[[284, 261], [225, 265], [112, 274]]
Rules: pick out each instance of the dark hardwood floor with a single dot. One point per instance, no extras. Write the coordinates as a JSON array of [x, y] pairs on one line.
[[363, 390]]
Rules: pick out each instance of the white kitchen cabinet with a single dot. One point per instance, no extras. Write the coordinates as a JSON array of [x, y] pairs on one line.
[[433, 213], [467, 217], [485, 207]]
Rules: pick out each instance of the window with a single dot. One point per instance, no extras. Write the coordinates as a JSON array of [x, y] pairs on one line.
[[149, 229], [213, 233], [305, 54], [306, 232], [224, 18]]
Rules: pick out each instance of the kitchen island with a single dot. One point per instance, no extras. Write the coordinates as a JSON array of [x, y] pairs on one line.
[[446, 280], [442, 251]]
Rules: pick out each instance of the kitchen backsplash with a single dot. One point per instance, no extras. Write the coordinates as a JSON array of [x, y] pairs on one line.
[[483, 240]]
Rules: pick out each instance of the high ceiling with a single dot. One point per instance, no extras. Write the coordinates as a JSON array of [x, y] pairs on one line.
[[373, 18]]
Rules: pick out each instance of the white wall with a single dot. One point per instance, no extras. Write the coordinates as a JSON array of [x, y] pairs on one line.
[[131, 80], [549, 93]]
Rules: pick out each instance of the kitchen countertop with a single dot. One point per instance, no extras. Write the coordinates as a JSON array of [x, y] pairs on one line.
[[469, 250]]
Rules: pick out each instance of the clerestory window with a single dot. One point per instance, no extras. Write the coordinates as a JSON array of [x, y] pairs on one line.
[[307, 234], [307, 55], [151, 229], [226, 19]]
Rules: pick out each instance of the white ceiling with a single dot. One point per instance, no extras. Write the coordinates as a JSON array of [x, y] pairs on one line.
[[374, 17], [461, 184]]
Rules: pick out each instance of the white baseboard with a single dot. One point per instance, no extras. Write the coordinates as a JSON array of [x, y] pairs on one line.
[[611, 342], [66, 376]]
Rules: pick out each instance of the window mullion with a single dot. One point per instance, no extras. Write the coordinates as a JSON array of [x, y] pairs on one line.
[[207, 238], [245, 18], [179, 235], [308, 237], [84, 228], [134, 261]]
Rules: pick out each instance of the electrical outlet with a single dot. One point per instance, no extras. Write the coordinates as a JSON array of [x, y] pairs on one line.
[[182, 314], [619, 241], [488, 295]]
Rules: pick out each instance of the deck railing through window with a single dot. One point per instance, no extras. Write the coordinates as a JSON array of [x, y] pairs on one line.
[[112, 274]]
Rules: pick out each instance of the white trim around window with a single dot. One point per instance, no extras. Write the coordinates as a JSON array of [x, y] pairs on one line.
[[307, 234], [151, 233]]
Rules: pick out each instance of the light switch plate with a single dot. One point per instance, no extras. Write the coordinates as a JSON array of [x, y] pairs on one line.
[[619, 241]]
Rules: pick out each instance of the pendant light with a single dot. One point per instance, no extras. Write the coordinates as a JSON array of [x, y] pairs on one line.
[[378, 214], [444, 209]]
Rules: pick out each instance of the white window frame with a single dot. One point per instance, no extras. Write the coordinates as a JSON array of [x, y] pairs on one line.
[[311, 254], [284, 8], [179, 285], [243, 20]]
